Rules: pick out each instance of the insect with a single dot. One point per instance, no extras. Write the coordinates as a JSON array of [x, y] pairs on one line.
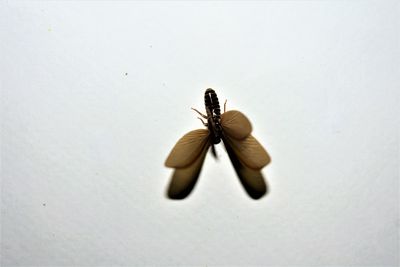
[[247, 155]]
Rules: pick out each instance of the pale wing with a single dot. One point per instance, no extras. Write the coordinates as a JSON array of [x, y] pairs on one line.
[[249, 151], [187, 149], [235, 124], [252, 180], [184, 179]]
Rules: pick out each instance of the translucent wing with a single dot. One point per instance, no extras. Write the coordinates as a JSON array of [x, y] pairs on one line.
[[184, 179], [249, 152], [187, 149], [252, 180], [235, 124]]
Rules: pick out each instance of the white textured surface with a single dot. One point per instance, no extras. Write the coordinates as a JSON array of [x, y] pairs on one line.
[[83, 143]]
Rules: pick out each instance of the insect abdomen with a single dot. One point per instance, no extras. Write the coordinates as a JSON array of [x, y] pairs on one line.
[[211, 101]]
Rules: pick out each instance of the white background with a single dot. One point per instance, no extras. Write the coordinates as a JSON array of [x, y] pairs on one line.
[[95, 94]]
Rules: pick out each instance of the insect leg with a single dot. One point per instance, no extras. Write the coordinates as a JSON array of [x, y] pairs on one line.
[[225, 105], [201, 114], [204, 123]]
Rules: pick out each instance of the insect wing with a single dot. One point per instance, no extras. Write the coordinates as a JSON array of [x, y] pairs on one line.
[[187, 149], [184, 179], [235, 124], [249, 151], [252, 180]]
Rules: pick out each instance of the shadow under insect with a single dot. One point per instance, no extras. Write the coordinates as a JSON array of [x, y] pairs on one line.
[[234, 129]]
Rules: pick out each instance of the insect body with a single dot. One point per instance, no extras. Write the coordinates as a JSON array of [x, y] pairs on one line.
[[234, 129]]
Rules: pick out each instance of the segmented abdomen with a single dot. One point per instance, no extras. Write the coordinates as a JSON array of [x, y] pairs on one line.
[[211, 101]]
